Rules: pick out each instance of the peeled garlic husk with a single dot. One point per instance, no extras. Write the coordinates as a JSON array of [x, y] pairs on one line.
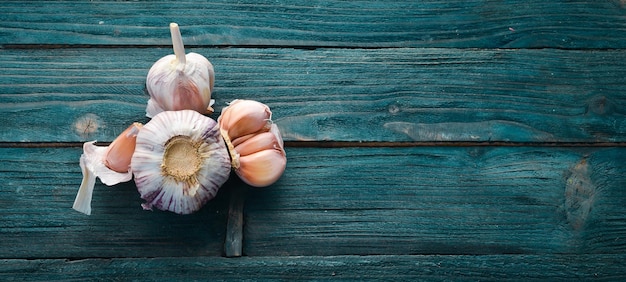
[[254, 142], [111, 164], [180, 161], [180, 82]]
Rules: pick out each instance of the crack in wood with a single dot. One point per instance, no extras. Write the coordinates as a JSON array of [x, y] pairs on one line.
[[359, 144]]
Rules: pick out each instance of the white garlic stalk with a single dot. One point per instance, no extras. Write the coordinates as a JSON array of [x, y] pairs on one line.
[[180, 161], [254, 142], [180, 82], [111, 164]]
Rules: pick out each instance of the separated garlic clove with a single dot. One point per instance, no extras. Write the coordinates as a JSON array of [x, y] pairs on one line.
[[261, 158], [273, 130], [120, 152], [262, 168], [180, 161], [180, 82], [111, 164], [258, 142], [254, 142], [242, 117]]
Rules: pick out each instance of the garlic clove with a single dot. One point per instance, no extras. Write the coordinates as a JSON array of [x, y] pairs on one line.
[[180, 161], [180, 81], [110, 164], [257, 143], [243, 139], [260, 159], [242, 117], [254, 142], [119, 153], [262, 168]]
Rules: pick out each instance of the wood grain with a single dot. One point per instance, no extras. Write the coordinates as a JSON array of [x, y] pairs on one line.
[[355, 201], [37, 219], [233, 244], [346, 268], [479, 111], [303, 23], [412, 94], [441, 200]]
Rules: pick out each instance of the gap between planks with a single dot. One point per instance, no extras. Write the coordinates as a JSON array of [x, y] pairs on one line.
[[191, 46], [359, 144], [268, 46]]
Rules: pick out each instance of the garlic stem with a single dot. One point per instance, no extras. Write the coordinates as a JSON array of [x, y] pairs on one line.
[[177, 42]]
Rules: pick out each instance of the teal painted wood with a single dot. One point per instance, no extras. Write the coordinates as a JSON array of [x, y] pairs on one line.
[[441, 200], [37, 220], [474, 24], [315, 268], [333, 94], [420, 213], [233, 243]]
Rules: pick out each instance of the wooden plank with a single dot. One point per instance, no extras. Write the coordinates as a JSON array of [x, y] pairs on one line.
[[37, 221], [458, 23], [350, 268], [334, 94], [441, 200]]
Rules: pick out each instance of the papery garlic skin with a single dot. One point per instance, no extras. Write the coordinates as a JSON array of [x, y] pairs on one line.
[[254, 142], [111, 164], [180, 161], [82, 203], [180, 82]]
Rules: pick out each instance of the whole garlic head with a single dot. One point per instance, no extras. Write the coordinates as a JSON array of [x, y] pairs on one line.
[[180, 161], [254, 142], [180, 81]]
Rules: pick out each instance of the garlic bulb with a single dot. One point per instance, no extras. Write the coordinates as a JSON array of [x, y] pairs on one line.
[[180, 161], [111, 164], [254, 142], [180, 82]]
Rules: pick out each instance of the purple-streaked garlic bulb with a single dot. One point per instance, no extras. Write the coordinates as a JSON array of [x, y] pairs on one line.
[[254, 142], [180, 81], [180, 161], [111, 164]]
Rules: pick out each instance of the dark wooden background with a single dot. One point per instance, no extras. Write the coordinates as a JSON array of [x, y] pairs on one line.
[[426, 140]]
